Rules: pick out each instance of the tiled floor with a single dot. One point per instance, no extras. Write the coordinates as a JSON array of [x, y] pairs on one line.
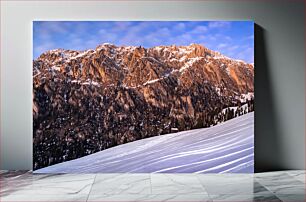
[[273, 186]]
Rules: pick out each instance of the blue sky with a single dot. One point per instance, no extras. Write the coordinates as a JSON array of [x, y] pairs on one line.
[[234, 39]]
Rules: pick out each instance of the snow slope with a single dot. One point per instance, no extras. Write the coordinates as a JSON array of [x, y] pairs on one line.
[[227, 147]]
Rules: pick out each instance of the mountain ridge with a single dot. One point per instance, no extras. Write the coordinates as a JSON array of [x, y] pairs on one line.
[[193, 54], [87, 101]]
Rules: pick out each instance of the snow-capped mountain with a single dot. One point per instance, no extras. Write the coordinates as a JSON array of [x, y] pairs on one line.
[[88, 101]]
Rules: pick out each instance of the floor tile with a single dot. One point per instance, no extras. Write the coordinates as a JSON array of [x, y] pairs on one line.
[[287, 189], [298, 175], [245, 198], [49, 184], [176, 184], [275, 175], [13, 174], [286, 186], [149, 198], [292, 197], [3, 171], [228, 184], [260, 189], [281, 183], [266, 198], [14, 180], [121, 184], [43, 198]]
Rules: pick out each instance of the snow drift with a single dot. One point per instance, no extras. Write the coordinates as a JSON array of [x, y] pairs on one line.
[[226, 147]]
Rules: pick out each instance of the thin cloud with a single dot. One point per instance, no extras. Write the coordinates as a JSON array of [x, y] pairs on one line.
[[228, 37], [179, 26], [233, 47], [219, 24], [44, 47], [222, 45], [246, 55], [199, 30]]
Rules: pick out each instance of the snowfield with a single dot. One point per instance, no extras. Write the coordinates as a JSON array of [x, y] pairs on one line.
[[225, 148]]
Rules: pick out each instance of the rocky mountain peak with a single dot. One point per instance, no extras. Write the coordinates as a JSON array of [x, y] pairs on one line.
[[87, 101]]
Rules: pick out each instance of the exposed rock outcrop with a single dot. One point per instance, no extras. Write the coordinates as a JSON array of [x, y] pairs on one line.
[[84, 102]]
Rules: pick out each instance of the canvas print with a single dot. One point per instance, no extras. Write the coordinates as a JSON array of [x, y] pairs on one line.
[[143, 96]]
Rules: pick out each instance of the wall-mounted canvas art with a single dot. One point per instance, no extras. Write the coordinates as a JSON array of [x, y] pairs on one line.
[[143, 96]]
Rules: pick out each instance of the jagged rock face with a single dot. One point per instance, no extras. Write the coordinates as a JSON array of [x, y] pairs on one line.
[[84, 102]]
